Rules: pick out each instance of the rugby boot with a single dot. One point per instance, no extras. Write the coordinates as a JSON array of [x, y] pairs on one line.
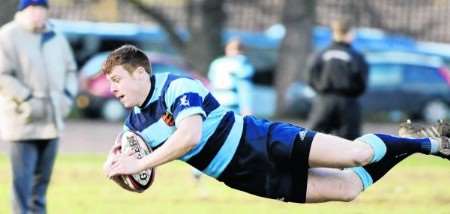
[[439, 131]]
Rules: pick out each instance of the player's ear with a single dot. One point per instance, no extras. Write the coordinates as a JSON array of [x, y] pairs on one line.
[[140, 71]]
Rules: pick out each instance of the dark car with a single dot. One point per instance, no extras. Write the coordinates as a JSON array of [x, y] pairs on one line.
[[400, 85], [96, 99]]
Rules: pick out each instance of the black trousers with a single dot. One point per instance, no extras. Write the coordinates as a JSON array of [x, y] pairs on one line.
[[337, 115]]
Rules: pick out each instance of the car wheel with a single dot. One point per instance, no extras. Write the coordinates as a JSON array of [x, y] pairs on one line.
[[434, 110], [113, 111]]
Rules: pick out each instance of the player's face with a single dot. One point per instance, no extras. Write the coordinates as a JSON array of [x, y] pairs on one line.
[[130, 89]]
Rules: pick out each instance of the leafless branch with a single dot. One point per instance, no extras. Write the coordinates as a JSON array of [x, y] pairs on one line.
[[164, 21]]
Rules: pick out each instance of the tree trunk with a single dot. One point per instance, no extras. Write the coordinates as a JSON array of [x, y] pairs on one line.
[[298, 18], [205, 23], [7, 11]]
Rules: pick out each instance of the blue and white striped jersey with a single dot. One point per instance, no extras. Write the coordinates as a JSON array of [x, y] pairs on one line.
[[173, 98]]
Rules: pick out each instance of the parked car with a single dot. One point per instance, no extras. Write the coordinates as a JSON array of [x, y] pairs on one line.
[[400, 84], [435, 49], [95, 98]]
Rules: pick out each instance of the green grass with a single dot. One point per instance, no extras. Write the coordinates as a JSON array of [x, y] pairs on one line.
[[419, 185]]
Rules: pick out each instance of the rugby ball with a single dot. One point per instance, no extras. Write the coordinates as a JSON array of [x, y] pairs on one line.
[[141, 181]]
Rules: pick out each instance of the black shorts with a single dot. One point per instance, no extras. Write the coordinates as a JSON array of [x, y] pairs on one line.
[[271, 160]]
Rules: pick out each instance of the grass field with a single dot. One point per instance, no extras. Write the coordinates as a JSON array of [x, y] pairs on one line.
[[418, 185]]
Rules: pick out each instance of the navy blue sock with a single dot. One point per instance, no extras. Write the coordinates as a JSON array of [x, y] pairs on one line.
[[400, 145], [397, 149]]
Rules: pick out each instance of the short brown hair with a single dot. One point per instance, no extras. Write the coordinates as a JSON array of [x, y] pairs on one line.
[[341, 27], [235, 44], [128, 56]]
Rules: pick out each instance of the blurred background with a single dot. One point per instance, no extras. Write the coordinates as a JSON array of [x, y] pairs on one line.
[[406, 44]]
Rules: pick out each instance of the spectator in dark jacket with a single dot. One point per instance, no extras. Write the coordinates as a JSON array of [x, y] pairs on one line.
[[339, 75]]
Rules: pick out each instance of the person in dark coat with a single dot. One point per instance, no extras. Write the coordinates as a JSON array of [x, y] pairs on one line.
[[339, 76]]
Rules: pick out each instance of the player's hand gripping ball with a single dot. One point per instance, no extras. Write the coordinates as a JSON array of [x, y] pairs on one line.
[[141, 181]]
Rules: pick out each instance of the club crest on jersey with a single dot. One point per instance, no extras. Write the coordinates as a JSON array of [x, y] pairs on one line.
[[302, 134], [184, 101], [168, 119]]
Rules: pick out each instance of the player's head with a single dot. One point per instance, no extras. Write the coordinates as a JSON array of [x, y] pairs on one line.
[[128, 72], [342, 30], [234, 47], [129, 57], [33, 14]]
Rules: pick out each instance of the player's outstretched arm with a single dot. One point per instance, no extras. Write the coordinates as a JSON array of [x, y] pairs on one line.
[[186, 136], [113, 152]]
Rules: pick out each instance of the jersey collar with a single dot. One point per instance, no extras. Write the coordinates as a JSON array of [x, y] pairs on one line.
[[150, 93]]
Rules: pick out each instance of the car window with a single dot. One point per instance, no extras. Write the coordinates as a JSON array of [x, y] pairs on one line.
[[384, 76], [93, 65], [447, 62], [423, 75]]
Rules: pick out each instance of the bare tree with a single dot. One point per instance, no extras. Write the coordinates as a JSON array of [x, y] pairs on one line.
[[7, 11], [378, 16], [298, 18], [205, 24]]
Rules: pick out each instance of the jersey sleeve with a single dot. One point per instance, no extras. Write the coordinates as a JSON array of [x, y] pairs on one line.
[[184, 98]]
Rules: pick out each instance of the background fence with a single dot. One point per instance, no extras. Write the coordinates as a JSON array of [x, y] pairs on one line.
[[422, 19]]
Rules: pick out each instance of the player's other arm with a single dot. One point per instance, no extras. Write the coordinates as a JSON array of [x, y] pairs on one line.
[[113, 153]]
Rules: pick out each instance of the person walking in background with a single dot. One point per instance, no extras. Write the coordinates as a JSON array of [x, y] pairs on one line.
[[339, 75], [37, 87], [230, 77]]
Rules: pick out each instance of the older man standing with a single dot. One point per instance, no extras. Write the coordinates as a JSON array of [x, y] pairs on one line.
[[37, 87]]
